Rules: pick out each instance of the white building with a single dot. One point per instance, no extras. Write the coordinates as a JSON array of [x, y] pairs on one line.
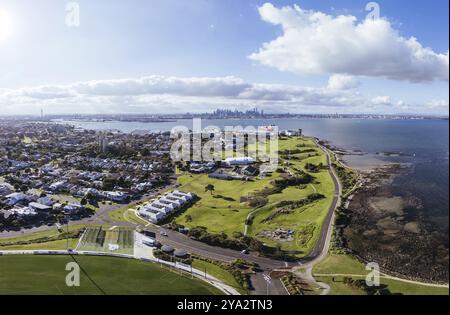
[[39, 207], [117, 196], [58, 185], [23, 212], [160, 208], [153, 215], [72, 208], [240, 161]]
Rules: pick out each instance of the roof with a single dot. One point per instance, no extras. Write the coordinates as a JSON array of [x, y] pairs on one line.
[[167, 249], [239, 159], [180, 253], [17, 196], [39, 206]]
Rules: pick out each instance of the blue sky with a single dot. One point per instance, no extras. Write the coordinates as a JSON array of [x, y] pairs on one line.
[[200, 39]]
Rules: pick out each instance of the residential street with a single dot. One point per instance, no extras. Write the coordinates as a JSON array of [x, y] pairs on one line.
[[181, 241]]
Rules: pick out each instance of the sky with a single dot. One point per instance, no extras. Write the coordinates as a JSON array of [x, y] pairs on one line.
[[170, 56]]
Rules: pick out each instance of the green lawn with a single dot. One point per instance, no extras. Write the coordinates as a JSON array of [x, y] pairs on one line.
[[126, 214], [218, 273], [32, 236], [50, 245], [347, 265], [33, 275], [222, 211]]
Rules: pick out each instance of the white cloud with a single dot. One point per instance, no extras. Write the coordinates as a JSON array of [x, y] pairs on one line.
[[159, 94], [382, 100], [224, 86], [342, 82], [438, 104], [316, 43]]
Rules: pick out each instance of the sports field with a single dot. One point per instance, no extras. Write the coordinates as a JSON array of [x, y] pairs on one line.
[[45, 275], [222, 210]]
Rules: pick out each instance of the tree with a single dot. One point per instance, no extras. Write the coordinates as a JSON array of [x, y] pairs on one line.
[[210, 188], [24, 188]]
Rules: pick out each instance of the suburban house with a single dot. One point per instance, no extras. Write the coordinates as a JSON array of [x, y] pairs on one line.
[[15, 198], [202, 167], [45, 201], [23, 211], [6, 189], [116, 196], [39, 207], [153, 215], [58, 186], [72, 209]]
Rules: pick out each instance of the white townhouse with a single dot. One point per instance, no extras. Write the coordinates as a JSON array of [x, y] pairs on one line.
[[165, 205], [153, 215]]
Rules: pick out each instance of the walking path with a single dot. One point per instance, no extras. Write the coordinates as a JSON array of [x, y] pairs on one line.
[[383, 276]]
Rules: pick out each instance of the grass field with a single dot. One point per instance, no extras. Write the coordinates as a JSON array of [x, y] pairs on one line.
[[52, 245], [304, 219], [219, 273], [347, 265], [32, 237], [222, 211], [126, 214], [36, 275]]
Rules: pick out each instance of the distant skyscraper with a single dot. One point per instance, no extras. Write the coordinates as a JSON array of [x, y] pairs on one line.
[[102, 143]]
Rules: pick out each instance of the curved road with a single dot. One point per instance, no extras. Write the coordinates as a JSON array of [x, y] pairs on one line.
[[182, 241]]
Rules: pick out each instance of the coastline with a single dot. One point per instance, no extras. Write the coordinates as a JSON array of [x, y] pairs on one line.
[[374, 184]]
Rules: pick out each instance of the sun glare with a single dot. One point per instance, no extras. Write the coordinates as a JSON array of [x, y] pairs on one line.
[[6, 25]]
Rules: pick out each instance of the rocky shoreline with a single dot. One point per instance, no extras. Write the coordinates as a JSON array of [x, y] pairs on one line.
[[391, 230]]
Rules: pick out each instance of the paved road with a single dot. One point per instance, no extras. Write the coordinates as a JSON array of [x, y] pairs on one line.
[[101, 217], [181, 241], [322, 246]]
